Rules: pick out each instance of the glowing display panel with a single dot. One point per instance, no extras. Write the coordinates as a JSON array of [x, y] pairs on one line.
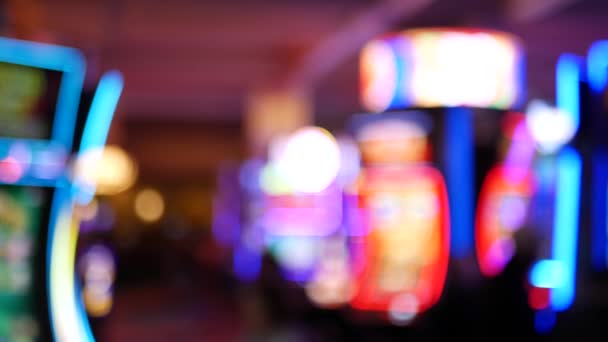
[[442, 68], [22, 283], [28, 98], [405, 244]]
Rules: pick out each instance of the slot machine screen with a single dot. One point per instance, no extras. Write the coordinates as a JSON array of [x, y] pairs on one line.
[[27, 101], [28, 98], [23, 213]]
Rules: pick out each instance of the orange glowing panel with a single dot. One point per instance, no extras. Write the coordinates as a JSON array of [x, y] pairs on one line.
[[405, 243], [502, 210], [442, 67]]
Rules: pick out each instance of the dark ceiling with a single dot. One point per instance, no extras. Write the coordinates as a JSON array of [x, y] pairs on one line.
[[197, 60], [193, 63]]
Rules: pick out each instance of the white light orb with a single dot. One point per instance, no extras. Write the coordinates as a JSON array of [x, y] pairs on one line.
[[550, 127], [310, 160]]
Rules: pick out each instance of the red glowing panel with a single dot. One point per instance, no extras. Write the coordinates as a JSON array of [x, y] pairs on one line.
[[406, 245], [538, 298], [501, 211]]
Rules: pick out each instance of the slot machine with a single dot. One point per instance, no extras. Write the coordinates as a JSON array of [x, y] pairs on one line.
[[398, 218], [39, 97], [457, 77]]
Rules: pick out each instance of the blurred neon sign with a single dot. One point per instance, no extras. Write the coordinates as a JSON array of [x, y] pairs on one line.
[[442, 68]]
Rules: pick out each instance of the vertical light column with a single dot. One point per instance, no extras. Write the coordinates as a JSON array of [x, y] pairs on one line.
[[597, 76], [458, 161], [565, 233]]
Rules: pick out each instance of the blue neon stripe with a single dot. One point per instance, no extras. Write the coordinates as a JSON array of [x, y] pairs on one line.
[[459, 172], [58, 58], [565, 232], [522, 85], [102, 111], [98, 124], [568, 75], [597, 65], [67, 107], [597, 76], [599, 207]]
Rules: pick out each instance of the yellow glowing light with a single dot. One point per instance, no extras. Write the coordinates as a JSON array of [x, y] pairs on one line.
[[97, 305], [111, 170], [149, 205], [67, 321], [391, 141]]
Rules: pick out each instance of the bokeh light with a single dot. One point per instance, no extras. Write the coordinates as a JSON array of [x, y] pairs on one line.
[[149, 205], [550, 127], [110, 170], [310, 160]]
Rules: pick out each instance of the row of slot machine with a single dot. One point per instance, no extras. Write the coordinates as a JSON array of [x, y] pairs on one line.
[[372, 218], [51, 127]]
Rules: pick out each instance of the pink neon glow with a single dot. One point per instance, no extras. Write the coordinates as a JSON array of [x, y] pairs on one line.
[[502, 196], [522, 149], [11, 170], [317, 214]]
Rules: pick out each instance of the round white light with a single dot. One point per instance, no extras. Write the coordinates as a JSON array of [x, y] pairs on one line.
[[310, 160], [550, 127]]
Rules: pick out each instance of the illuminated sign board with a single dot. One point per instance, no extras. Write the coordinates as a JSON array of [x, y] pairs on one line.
[[442, 68]]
